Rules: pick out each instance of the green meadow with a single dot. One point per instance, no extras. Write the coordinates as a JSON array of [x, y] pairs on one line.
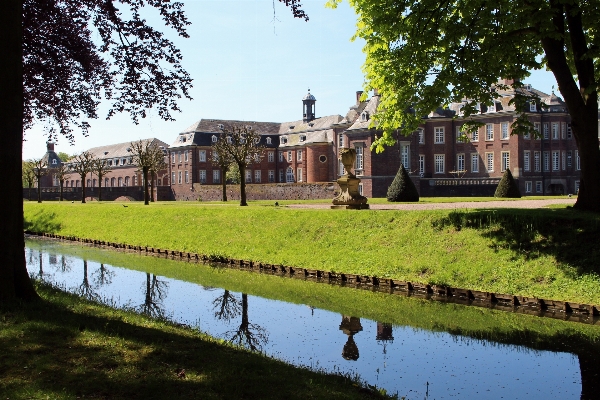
[[548, 253]]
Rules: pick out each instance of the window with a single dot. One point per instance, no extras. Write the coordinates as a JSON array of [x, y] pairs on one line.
[[577, 187], [538, 186], [248, 176], [563, 130], [569, 159], [491, 108], [360, 189], [577, 161], [89, 182], [216, 176], [526, 161], [120, 181], [281, 156], [179, 177], [528, 186], [172, 159], [340, 140], [475, 135], [302, 138], [460, 135], [536, 161], [340, 168], [299, 155], [229, 140], [439, 135], [185, 155], [460, 162], [257, 176], [123, 161], [489, 131], [202, 155], [271, 156], [289, 176], [555, 161], [474, 162], [54, 162], [555, 130], [504, 131], [214, 138], [546, 131], [546, 155], [271, 176], [421, 136], [358, 164], [536, 128], [126, 181], [405, 155], [201, 176], [187, 177], [489, 158], [439, 163], [215, 157], [172, 178], [505, 160], [421, 165], [564, 160], [220, 126], [526, 135], [299, 174], [569, 131], [135, 180], [532, 106], [269, 140], [284, 139], [289, 156], [280, 175]]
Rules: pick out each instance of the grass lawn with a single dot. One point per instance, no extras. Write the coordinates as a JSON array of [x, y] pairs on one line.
[[547, 253], [65, 348]]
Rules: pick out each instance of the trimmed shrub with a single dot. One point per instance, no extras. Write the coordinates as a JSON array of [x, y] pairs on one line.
[[507, 188], [402, 188]]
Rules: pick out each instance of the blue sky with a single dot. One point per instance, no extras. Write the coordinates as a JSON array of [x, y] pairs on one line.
[[248, 65]]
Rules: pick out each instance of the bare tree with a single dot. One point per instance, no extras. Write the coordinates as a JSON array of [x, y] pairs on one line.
[[249, 335], [226, 306], [62, 173], [82, 165], [155, 291], [100, 168], [222, 159], [243, 146], [157, 163], [39, 169], [28, 175], [145, 153]]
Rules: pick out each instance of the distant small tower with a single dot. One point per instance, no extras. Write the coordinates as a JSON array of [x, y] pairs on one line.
[[308, 102]]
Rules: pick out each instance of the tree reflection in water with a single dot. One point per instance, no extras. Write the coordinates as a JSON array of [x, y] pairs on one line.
[[226, 306], [155, 292], [86, 289], [64, 265], [249, 335], [102, 276]]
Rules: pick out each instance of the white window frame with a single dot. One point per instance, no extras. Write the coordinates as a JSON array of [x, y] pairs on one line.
[[421, 133], [439, 135], [439, 163], [216, 176], [271, 156], [290, 156], [257, 176], [532, 106], [248, 176], [185, 156], [298, 155], [505, 159], [405, 155], [537, 128], [172, 178], [528, 186], [460, 135], [460, 162], [577, 161], [475, 135], [537, 161], [475, 162], [271, 176], [489, 162], [489, 132], [555, 160], [546, 131], [570, 158], [555, 128], [504, 134], [280, 156], [538, 187], [340, 140], [187, 177], [202, 155], [546, 160], [421, 165], [179, 177], [202, 176], [299, 175], [289, 175], [358, 163], [527, 161], [564, 160]]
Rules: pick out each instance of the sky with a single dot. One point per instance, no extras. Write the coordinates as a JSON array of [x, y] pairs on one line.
[[249, 64]]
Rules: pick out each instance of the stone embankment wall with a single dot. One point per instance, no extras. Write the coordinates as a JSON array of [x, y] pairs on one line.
[[268, 191]]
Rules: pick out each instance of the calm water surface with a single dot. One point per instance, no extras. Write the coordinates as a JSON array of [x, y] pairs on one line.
[[415, 363]]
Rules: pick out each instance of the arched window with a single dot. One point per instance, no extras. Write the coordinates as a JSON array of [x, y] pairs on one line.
[[54, 162], [105, 182], [269, 140], [94, 183], [126, 181], [88, 183], [112, 182], [77, 183], [120, 180], [289, 177], [214, 138]]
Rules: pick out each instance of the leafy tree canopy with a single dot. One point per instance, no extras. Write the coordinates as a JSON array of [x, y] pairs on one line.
[[427, 53]]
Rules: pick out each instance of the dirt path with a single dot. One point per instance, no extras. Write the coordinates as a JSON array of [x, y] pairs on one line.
[[459, 205]]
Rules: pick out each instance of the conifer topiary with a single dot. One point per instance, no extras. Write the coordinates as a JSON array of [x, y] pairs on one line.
[[402, 188], [507, 187]]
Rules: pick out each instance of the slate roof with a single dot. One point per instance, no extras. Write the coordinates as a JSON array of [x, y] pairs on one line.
[[368, 110], [120, 149], [51, 159]]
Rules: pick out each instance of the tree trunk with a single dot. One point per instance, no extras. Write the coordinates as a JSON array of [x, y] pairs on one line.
[[29, 197], [586, 133], [39, 189], [224, 180], [242, 168], [152, 186], [62, 182], [83, 188], [14, 280], [99, 188], [145, 177], [588, 366]]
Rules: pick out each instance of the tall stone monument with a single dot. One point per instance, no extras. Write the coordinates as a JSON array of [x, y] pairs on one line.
[[349, 196]]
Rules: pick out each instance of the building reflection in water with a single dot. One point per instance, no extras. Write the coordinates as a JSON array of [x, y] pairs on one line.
[[350, 326]]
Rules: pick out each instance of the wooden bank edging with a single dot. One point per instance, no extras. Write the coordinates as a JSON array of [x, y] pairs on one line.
[[564, 310]]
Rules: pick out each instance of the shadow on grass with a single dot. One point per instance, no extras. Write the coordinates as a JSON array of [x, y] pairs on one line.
[[69, 348], [571, 236], [42, 221]]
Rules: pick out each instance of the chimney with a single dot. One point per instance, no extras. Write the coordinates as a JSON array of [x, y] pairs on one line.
[[358, 94], [375, 92], [50, 146]]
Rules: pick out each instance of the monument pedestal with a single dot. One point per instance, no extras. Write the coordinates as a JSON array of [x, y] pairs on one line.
[[349, 197]]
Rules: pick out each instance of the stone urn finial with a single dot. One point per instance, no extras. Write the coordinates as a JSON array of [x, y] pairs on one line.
[[348, 157]]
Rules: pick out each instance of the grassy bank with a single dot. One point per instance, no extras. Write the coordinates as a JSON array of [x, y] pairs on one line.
[[66, 348], [550, 253]]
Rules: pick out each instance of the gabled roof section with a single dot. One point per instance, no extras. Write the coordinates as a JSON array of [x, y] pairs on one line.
[[363, 120], [316, 124], [201, 132], [121, 149]]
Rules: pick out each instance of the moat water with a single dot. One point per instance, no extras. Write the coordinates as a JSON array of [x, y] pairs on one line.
[[413, 362]]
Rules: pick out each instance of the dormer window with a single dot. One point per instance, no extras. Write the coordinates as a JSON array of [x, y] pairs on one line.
[[229, 140], [291, 127], [302, 138], [532, 106], [54, 162], [249, 127], [492, 108], [364, 116], [129, 149], [527, 87], [269, 141], [214, 138], [220, 126], [284, 139], [106, 152]]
